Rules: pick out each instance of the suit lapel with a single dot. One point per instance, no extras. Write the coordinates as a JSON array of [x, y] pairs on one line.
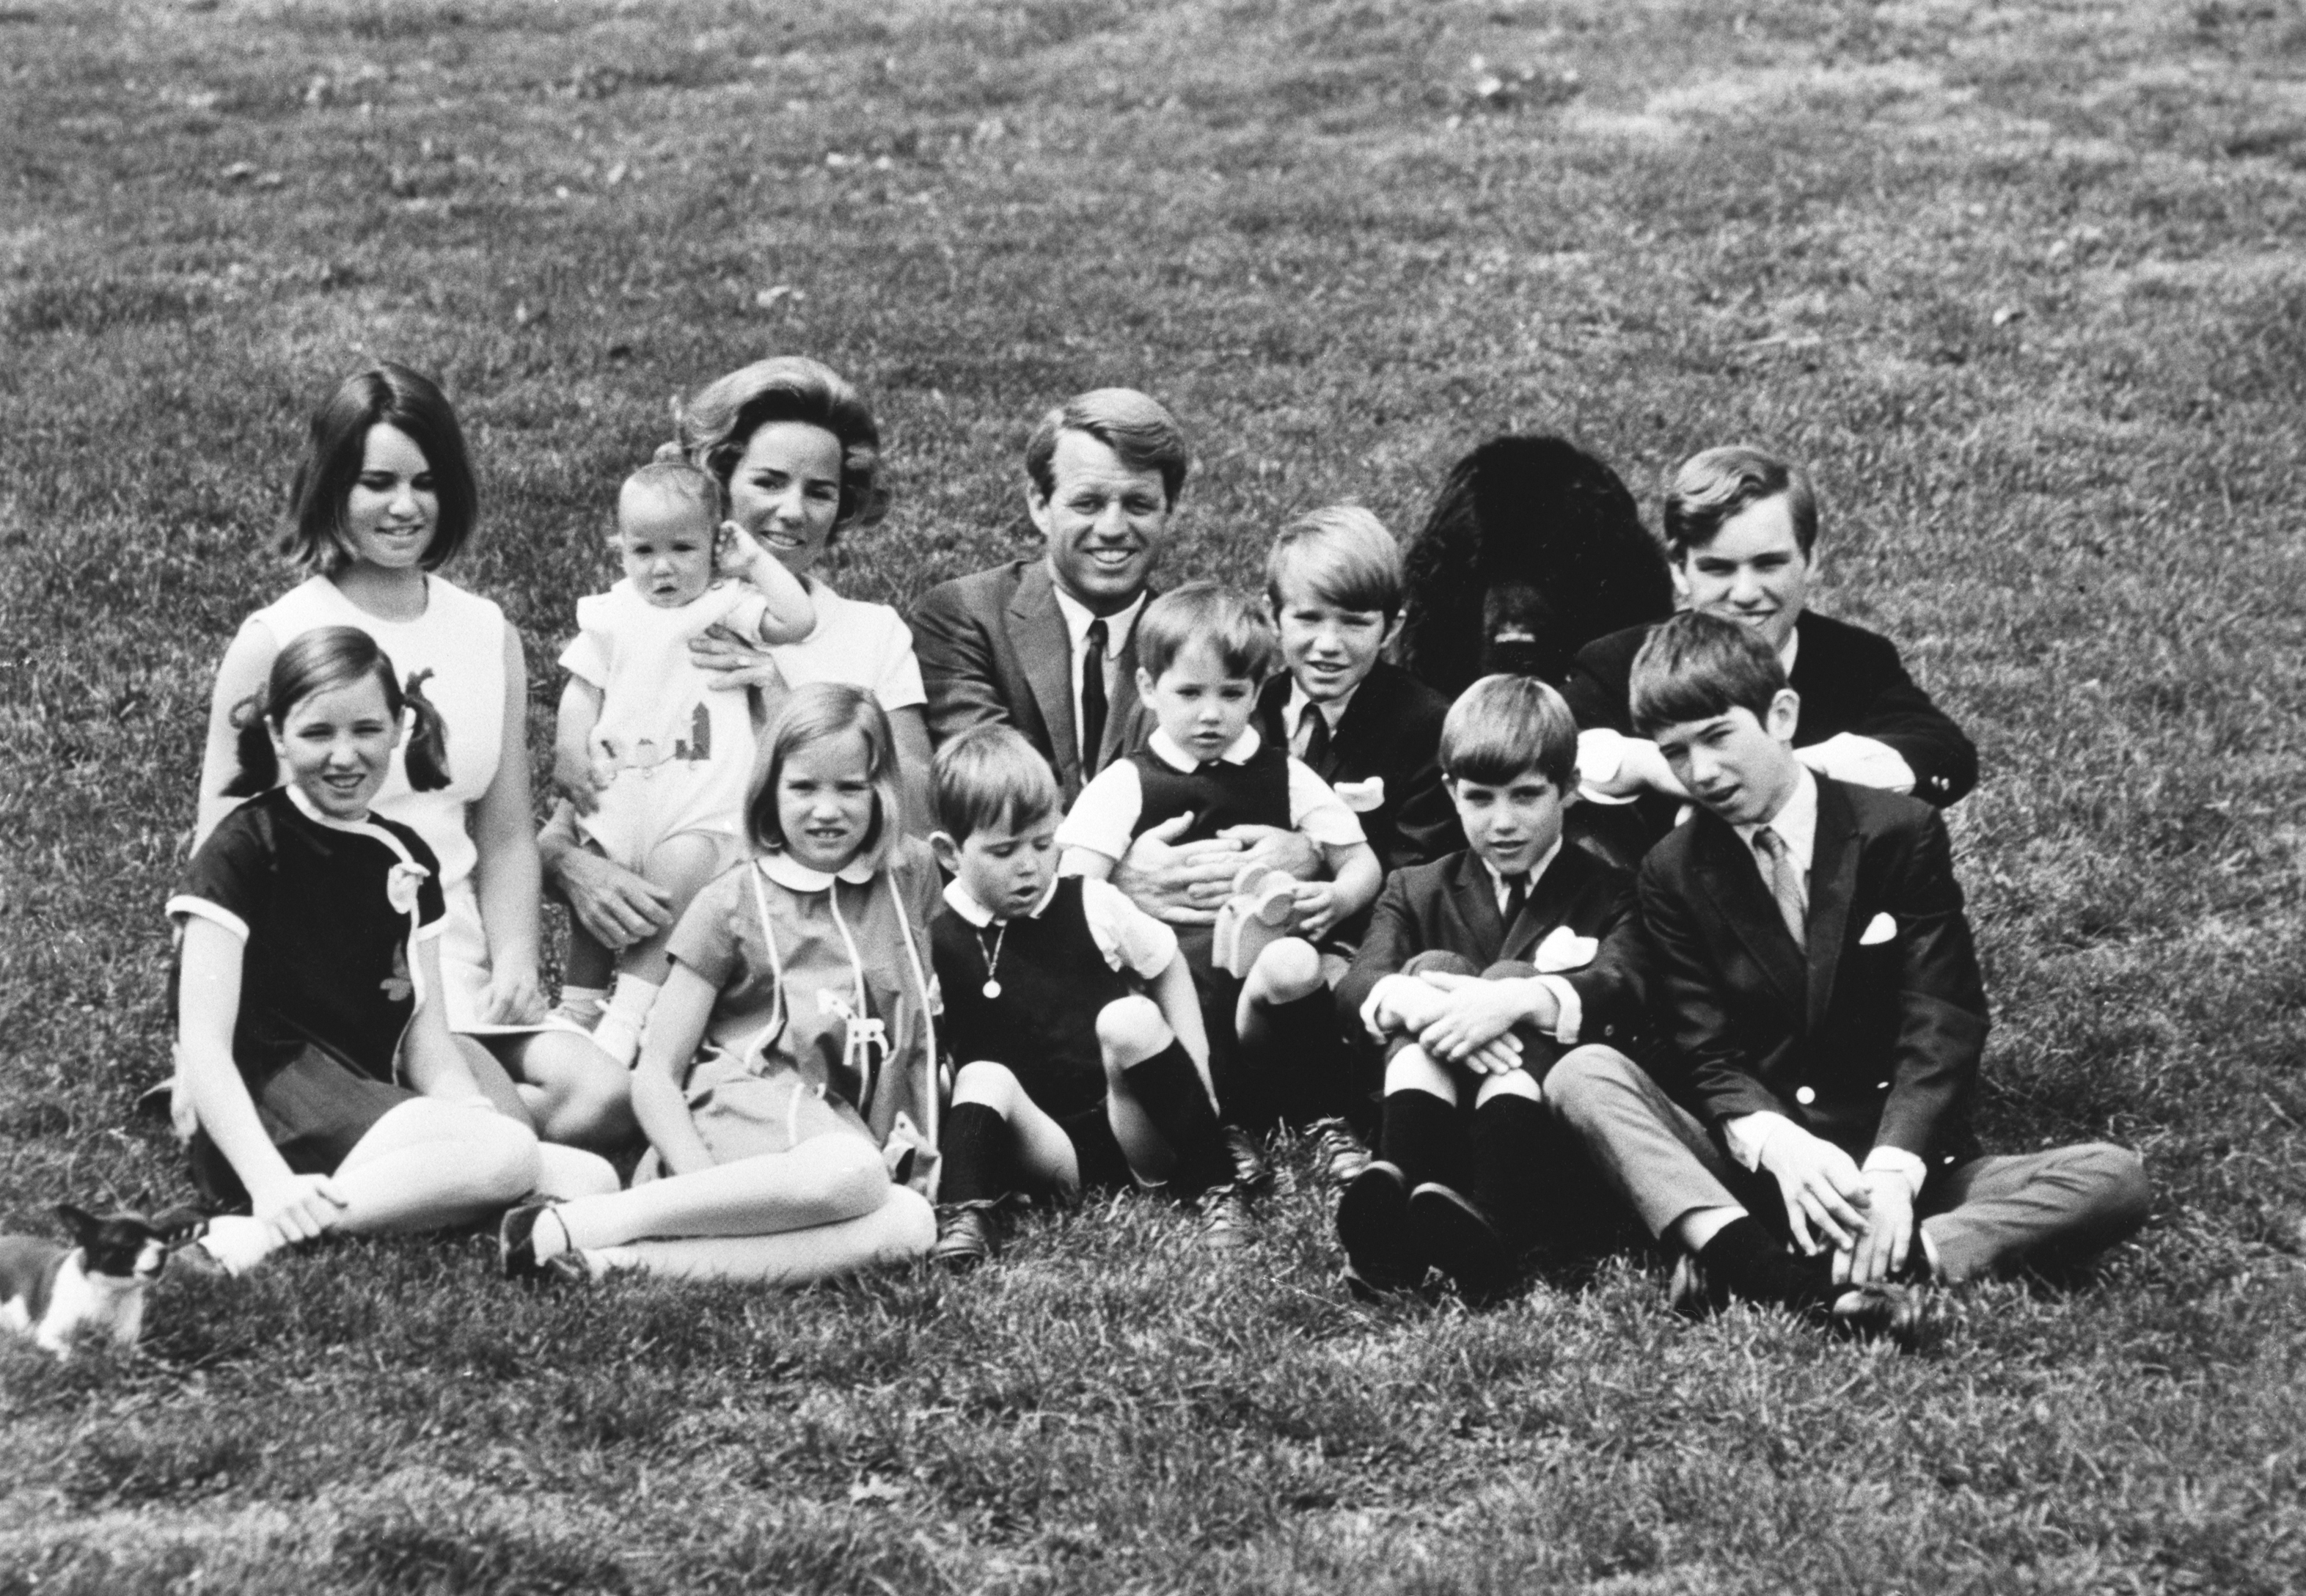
[[1476, 899], [1121, 714], [1045, 653], [1548, 907], [1833, 879], [1734, 881]]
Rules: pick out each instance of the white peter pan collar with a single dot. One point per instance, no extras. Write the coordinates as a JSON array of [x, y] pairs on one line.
[[788, 871], [1164, 748], [964, 902]]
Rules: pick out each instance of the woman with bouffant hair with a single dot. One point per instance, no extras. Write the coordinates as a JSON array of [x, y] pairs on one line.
[[383, 499], [798, 453]]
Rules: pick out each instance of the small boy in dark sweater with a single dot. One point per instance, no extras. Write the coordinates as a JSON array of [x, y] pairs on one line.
[[1478, 972], [1201, 653], [1068, 1010]]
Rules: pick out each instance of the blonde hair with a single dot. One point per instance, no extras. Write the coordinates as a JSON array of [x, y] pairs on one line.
[[817, 712], [714, 424], [1344, 554]]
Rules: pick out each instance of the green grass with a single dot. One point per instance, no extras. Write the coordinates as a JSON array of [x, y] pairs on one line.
[[2022, 283]]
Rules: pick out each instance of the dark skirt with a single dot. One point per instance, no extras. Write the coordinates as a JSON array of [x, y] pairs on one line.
[[315, 1109]]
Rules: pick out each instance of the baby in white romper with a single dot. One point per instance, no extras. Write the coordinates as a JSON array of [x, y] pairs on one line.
[[654, 759]]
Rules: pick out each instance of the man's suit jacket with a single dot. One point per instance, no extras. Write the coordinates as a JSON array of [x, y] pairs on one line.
[[1862, 1042], [1849, 679], [1451, 906], [994, 647], [1392, 729]]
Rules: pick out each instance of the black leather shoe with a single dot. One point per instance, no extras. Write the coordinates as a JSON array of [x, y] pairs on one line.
[[1373, 1224], [1458, 1239]]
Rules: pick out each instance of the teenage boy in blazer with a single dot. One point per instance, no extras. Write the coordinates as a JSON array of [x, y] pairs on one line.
[[1815, 972], [1741, 533]]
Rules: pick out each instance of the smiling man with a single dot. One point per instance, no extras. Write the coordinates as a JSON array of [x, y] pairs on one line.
[[1741, 531], [1049, 646]]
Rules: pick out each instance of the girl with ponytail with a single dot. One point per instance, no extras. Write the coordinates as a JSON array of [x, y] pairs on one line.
[[326, 1090]]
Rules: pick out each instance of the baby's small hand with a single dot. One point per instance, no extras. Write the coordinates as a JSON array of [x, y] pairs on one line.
[[738, 550], [1316, 909]]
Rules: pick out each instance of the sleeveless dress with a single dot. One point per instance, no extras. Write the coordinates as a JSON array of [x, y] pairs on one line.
[[460, 639]]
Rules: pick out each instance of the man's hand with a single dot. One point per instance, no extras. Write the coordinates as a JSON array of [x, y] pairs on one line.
[[299, 1208], [618, 907], [733, 660], [1882, 1251], [1477, 1015], [1293, 853], [579, 780], [1820, 1183], [1182, 886]]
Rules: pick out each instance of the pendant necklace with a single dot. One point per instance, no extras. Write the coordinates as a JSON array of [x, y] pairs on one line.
[[991, 987]]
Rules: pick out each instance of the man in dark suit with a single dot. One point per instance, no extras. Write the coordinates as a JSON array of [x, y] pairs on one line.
[[1741, 531], [1049, 646], [1816, 973]]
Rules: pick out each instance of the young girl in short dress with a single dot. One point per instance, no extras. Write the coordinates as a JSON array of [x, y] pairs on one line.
[[788, 1083], [328, 1092]]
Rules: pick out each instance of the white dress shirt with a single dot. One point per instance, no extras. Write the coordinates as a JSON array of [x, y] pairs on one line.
[[1117, 628]]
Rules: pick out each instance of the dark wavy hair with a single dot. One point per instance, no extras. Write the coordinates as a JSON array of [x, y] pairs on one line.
[[1697, 666], [1536, 527], [322, 660], [384, 396], [714, 424]]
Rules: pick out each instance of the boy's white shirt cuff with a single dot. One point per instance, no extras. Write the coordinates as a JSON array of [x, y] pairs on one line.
[[1860, 761], [1749, 1135], [1897, 1161], [1601, 756], [1571, 1020]]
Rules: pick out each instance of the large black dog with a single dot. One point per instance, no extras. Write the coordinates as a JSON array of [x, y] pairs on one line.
[[1532, 550]]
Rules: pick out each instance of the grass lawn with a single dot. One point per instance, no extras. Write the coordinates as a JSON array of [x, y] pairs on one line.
[[2022, 283]]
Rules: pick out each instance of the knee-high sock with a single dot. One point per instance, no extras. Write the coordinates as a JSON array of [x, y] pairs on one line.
[[1424, 1138], [978, 1165], [1512, 1154], [1169, 1089], [1298, 1052]]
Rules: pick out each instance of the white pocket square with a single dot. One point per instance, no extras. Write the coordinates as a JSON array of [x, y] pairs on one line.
[[1362, 798], [1563, 949], [1881, 929]]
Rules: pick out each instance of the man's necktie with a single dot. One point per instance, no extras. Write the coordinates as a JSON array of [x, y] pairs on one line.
[[1092, 699], [1315, 727], [1785, 884], [1516, 897]]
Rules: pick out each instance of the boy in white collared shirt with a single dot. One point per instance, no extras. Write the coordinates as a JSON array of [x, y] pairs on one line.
[[1071, 1019], [1202, 655]]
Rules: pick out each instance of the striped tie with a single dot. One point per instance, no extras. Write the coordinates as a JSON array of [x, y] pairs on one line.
[[1785, 885]]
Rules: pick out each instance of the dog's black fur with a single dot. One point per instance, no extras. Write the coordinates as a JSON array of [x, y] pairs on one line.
[[1532, 550]]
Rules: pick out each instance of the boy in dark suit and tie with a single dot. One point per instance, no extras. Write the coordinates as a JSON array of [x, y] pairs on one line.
[[1741, 531], [1478, 971], [1815, 972], [1366, 727]]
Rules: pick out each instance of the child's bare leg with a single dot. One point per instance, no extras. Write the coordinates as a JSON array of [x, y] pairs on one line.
[[1287, 972], [1042, 1152], [823, 1181], [901, 1229], [1158, 1100], [679, 865], [427, 1165]]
